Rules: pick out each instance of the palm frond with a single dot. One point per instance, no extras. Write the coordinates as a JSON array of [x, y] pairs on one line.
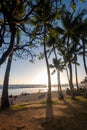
[[53, 72]]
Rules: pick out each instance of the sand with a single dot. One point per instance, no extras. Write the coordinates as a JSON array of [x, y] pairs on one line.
[[35, 97], [37, 115]]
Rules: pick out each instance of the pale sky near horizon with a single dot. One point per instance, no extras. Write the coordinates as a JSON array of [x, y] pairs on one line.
[[23, 72]]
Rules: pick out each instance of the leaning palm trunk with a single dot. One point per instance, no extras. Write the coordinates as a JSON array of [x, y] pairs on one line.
[[60, 94], [49, 78], [5, 100], [76, 77], [84, 60], [70, 69], [70, 81], [76, 73], [58, 77], [67, 76], [49, 98]]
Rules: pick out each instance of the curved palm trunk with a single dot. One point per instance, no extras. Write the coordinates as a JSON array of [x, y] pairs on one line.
[[70, 81], [58, 77], [70, 72], [5, 100], [58, 81], [84, 60], [49, 97], [11, 46], [67, 74], [70, 67], [59, 86], [76, 74]]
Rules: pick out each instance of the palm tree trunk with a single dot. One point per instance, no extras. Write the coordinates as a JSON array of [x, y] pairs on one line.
[[70, 81], [76, 73], [84, 60], [5, 100], [67, 75], [58, 80], [58, 76], [49, 98], [76, 77], [11, 46], [60, 94]]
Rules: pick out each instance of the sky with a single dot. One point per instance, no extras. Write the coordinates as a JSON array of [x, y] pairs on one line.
[[24, 72]]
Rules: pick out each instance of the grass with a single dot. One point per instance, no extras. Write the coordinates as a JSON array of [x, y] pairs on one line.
[[26, 105], [81, 98], [54, 102], [19, 107]]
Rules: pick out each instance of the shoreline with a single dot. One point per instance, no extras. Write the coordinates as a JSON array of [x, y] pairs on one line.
[[34, 97], [19, 91]]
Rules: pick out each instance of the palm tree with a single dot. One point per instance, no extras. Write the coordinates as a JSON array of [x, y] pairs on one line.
[[70, 24], [5, 99], [81, 32], [43, 15], [25, 48], [14, 13], [14, 16], [59, 66], [76, 73], [49, 98]]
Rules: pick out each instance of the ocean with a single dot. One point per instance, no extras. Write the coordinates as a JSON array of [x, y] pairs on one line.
[[19, 89]]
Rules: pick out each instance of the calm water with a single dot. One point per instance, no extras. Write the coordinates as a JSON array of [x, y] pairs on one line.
[[18, 89]]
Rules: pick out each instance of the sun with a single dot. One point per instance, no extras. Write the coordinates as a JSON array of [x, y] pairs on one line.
[[41, 78]]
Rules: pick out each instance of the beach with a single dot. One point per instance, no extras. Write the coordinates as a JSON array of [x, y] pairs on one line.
[[34, 97], [31, 112]]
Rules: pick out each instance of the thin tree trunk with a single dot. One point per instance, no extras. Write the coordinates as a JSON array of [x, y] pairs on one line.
[[58, 77], [5, 100], [67, 74], [70, 67], [84, 60], [58, 80], [11, 46], [60, 94], [70, 81], [70, 71], [76, 77], [76, 73], [49, 97]]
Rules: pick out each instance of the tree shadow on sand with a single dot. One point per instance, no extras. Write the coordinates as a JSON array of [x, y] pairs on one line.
[[49, 112], [49, 116], [73, 118], [50, 122]]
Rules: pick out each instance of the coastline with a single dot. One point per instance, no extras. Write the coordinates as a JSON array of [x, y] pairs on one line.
[[34, 97], [16, 90]]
